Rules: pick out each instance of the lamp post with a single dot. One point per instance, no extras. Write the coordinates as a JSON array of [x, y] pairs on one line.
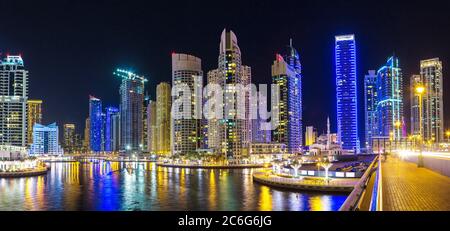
[[447, 133], [419, 91], [397, 136]]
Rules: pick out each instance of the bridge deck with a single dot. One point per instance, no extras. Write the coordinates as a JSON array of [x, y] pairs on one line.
[[409, 188]]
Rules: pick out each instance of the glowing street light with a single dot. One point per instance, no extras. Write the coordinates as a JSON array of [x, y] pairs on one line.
[[447, 133], [420, 90]]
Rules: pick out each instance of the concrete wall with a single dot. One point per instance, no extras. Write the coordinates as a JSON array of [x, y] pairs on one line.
[[439, 165]]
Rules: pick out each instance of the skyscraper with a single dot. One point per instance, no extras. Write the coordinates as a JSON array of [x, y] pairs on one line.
[[70, 141], [151, 127], [131, 109], [34, 115], [87, 134], [286, 73], [186, 132], [433, 105], [415, 81], [370, 107], [96, 123], [13, 101], [45, 140], [112, 133], [390, 100], [163, 106], [230, 136], [346, 92]]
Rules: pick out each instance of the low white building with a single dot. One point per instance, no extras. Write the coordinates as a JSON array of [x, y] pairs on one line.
[[266, 152], [45, 140], [9, 152], [325, 145]]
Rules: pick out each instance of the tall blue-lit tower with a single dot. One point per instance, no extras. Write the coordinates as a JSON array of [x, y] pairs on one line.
[[346, 92], [96, 123], [111, 128], [390, 99]]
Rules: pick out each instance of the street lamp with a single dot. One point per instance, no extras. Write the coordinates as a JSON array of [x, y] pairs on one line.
[[419, 91], [447, 133]]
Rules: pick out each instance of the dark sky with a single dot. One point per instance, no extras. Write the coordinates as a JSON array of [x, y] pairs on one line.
[[72, 47]]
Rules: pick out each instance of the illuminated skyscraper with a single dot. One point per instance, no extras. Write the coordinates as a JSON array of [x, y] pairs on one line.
[[370, 107], [390, 100], [286, 73], [13, 101], [70, 141], [230, 136], [34, 115], [346, 92], [131, 111], [112, 126], [87, 134], [96, 123], [415, 81], [163, 109], [186, 132], [433, 105], [151, 127]]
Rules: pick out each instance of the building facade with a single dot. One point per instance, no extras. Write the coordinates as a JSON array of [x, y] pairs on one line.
[[310, 135], [370, 107], [151, 128], [433, 101], [163, 110], [286, 73], [112, 129], [34, 115], [346, 92], [230, 136], [390, 100], [69, 138], [186, 132], [46, 140], [131, 111], [415, 81], [13, 101], [95, 124]]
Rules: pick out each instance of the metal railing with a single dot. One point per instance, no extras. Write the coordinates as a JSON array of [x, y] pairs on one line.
[[367, 193]]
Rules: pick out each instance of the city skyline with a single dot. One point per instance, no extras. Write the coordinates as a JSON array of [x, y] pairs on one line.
[[259, 56]]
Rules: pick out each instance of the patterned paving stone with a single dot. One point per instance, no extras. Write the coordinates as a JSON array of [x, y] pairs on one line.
[[409, 188]]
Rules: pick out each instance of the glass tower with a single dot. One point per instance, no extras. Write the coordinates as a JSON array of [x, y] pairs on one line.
[[370, 107], [390, 100], [346, 92], [111, 130], [96, 123], [286, 73], [131, 111]]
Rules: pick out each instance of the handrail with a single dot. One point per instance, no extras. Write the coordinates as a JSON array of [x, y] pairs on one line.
[[353, 200]]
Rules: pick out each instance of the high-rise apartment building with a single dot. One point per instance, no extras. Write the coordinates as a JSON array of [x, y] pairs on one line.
[[370, 107], [230, 135], [151, 127], [286, 73], [96, 124], [87, 134], [186, 132], [69, 136], [13, 101], [433, 101], [34, 115], [112, 132], [131, 111], [390, 100], [346, 92], [163, 110]]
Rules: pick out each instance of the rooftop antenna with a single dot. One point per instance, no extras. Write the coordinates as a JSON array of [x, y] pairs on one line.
[[290, 42]]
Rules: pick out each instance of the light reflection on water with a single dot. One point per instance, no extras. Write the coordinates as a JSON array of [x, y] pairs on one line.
[[144, 186]]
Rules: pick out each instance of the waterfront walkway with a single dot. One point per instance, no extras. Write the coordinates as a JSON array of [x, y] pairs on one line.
[[405, 187]]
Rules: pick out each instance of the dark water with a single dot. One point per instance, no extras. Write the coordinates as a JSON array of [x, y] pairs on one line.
[[112, 186]]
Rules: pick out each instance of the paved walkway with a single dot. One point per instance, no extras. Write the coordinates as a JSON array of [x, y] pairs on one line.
[[409, 188]]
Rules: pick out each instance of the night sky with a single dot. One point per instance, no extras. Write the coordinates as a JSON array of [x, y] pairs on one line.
[[72, 47]]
